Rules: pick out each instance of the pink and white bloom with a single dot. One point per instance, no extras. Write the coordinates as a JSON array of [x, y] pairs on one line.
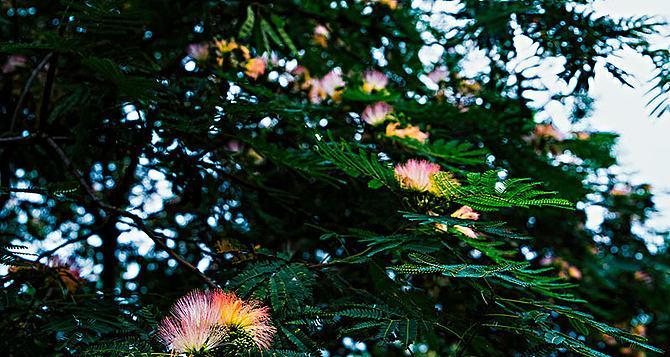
[[233, 146], [375, 114], [192, 325], [321, 30], [329, 86], [249, 317], [374, 81], [321, 35], [14, 62], [203, 321], [416, 174], [466, 212], [198, 51], [438, 75]]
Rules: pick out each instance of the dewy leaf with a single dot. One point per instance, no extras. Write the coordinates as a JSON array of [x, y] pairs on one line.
[[279, 24], [375, 184], [248, 24]]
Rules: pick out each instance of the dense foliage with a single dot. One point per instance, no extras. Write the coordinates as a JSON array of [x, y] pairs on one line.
[[334, 162]]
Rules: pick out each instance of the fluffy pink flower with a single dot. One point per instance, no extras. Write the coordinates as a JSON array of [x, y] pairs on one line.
[[206, 320], [416, 174], [233, 146], [198, 51], [192, 325], [329, 86], [321, 35], [321, 31], [377, 113], [247, 316], [14, 62], [438, 75], [466, 212], [374, 81]]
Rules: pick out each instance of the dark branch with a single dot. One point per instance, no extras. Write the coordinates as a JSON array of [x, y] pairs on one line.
[[123, 213], [26, 88]]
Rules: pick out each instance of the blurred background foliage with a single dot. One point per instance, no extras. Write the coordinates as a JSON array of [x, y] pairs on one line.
[[136, 151]]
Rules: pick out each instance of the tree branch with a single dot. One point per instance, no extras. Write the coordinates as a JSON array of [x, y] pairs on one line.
[[26, 88], [136, 220], [63, 245], [46, 95]]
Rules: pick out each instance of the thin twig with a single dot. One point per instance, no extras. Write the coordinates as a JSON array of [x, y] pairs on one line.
[[17, 139], [63, 245], [26, 88], [46, 95], [27, 138]]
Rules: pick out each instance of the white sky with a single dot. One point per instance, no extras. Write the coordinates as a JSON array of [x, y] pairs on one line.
[[644, 143]]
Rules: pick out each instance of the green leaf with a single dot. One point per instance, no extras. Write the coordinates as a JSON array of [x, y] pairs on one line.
[[248, 24], [375, 184]]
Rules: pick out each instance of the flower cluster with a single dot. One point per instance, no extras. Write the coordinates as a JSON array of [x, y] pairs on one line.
[[230, 51], [203, 321]]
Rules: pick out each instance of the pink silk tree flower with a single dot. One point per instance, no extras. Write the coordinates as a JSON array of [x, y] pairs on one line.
[[329, 86], [438, 75], [255, 67], [466, 212], [416, 174], [374, 81], [14, 62], [411, 131], [233, 146], [198, 51], [375, 114], [203, 321], [321, 35], [192, 325], [249, 319]]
